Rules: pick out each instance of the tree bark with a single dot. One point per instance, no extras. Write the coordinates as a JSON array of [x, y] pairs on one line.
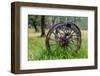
[[42, 26]]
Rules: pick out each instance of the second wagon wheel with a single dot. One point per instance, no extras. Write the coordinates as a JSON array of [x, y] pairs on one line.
[[64, 35]]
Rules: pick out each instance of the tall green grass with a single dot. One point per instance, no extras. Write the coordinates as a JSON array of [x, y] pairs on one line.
[[37, 49]]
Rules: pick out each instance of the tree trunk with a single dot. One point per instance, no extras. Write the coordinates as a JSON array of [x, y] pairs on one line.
[[42, 26]]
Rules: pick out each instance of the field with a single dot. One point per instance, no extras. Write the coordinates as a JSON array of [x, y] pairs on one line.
[[37, 49]]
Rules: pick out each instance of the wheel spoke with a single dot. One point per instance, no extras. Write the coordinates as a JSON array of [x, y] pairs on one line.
[[72, 32], [65, 37], [53, 39], [55, 34], [73, 43], [63, 29]]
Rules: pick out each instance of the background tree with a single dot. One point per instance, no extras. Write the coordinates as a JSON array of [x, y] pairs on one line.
[[42, 26], [40, 22], [34, 21]]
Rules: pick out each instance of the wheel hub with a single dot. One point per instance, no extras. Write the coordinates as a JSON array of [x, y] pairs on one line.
[[64, 41]]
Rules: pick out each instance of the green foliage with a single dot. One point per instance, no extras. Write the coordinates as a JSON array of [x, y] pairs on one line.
[[36, 44], [38, 51], [82, 22], [34, 21]]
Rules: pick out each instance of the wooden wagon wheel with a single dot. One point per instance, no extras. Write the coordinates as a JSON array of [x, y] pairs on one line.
[[64, 35]]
